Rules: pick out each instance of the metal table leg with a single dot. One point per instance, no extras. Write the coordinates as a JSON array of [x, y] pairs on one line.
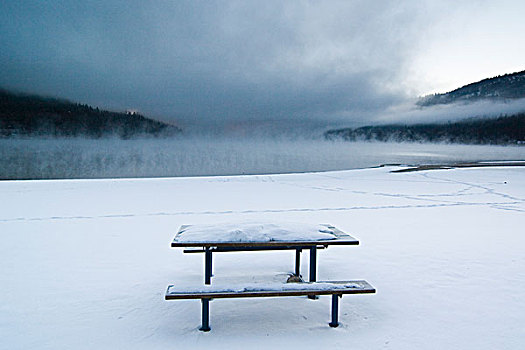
[[207, 266], [298, 262], [313, 263], [313, 268]]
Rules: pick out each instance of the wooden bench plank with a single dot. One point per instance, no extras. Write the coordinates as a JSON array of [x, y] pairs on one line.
[[271, 290]]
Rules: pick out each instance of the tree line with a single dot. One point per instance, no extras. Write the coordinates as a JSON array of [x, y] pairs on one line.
[[31, 115], [504, 130]]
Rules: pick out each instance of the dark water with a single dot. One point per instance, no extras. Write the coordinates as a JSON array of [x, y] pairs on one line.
[[79, 158]]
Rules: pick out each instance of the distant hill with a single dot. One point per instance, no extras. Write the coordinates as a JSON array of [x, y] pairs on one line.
[[502, 130], [508, 86], [31, 115], [499, 131]]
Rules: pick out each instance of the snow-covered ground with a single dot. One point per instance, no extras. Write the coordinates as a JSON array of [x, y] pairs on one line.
[[85, 263]]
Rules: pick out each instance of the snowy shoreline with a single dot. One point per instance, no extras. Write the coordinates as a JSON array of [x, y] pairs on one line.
[[404, 168]]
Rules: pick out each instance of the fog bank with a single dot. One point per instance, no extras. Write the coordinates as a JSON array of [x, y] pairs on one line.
[[107, 158], [409, 113]]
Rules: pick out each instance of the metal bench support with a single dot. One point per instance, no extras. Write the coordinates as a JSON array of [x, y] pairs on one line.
[[205, 326], [207, 266], [298, 262], [335, 309]]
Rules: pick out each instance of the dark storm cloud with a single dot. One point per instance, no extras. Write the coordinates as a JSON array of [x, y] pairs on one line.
[[212, 61]]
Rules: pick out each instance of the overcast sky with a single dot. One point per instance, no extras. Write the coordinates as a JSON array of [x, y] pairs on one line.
[[205, 61]]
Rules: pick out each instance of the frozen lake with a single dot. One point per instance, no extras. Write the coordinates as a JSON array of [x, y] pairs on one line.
[[79, 158]]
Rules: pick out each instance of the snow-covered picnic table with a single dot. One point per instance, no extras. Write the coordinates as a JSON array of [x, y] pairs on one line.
[[260, 236], [264, 236]]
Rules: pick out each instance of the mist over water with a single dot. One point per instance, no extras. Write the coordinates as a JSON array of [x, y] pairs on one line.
[[198, 156], [409, 113]]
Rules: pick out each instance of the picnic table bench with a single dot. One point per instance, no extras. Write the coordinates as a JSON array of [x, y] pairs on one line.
[[334, 288], [262, 237]]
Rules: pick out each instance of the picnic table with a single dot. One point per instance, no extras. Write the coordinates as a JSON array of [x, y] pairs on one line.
[[209, 239], [199, 241]]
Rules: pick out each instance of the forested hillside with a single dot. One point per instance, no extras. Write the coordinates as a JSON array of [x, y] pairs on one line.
[[508, 86], [499, 131], [30, 115]]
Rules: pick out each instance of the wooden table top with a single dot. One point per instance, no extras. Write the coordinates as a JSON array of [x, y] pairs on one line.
[[341, 238]]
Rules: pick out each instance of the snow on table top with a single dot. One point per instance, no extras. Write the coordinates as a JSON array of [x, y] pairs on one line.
[[264, 287], [254, 232]]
